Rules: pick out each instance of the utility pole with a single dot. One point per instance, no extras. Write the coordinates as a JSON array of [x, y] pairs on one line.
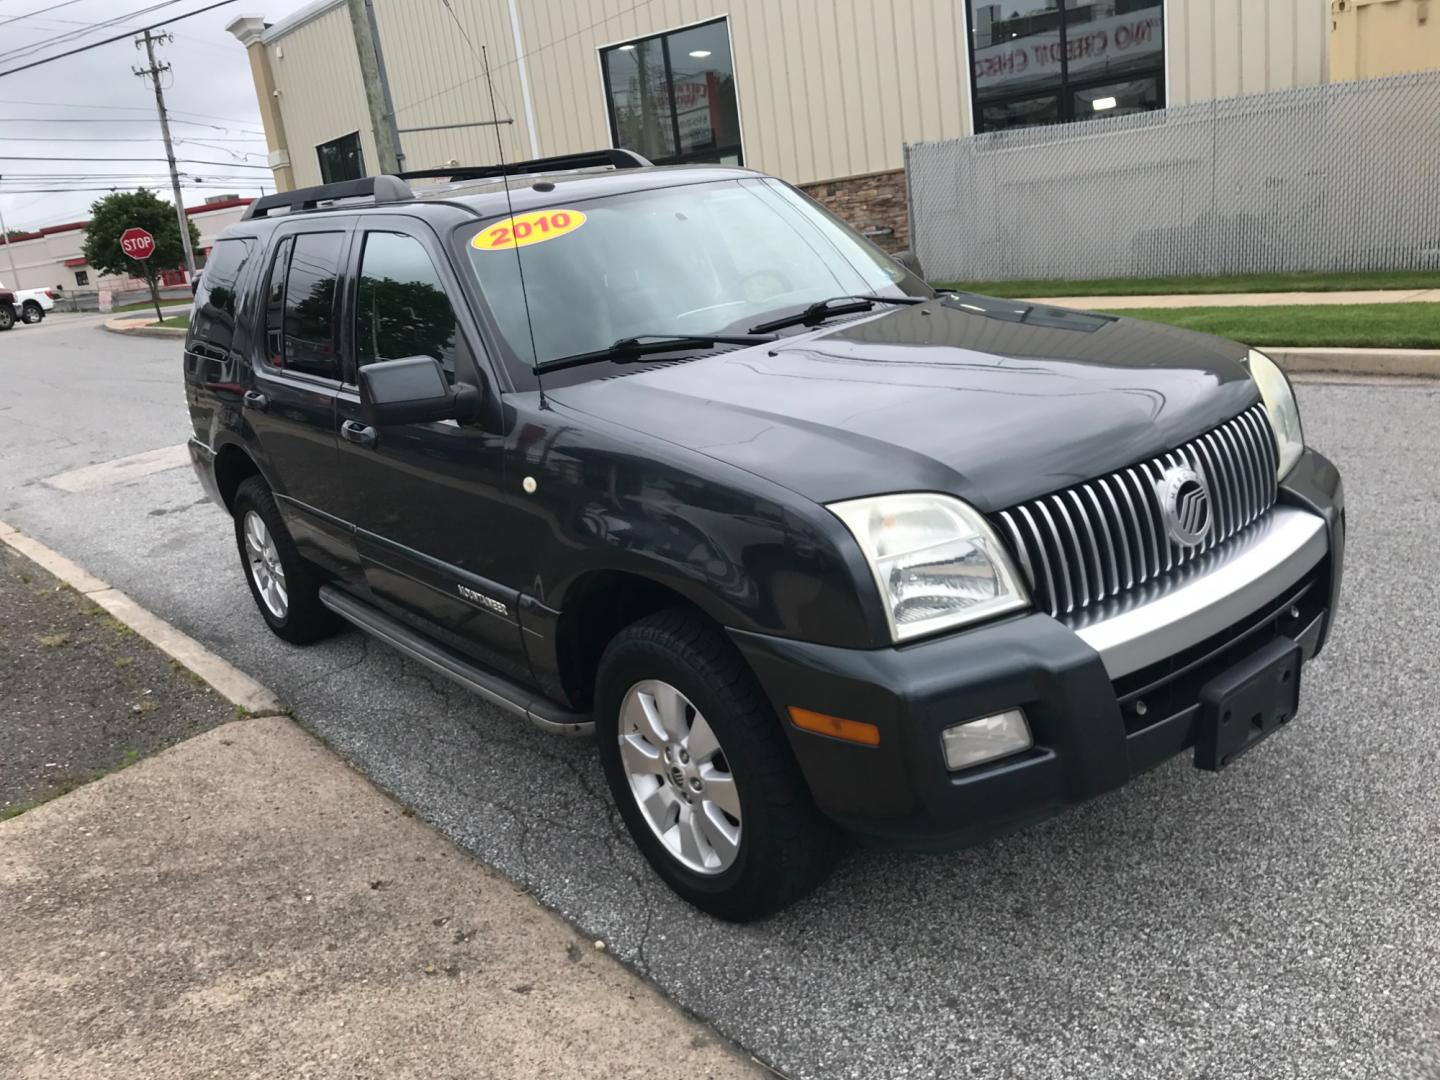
[[153, 72], [377, 86], [14, 274]]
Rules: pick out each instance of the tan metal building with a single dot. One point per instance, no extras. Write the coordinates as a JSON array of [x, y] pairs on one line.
[[823, 93], [1372, 38]]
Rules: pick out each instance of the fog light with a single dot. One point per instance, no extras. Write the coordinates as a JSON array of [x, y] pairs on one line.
[[977, 741]]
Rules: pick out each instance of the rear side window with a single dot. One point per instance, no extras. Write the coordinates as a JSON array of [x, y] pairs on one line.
[[300, 305], [217, 298], [401, 308]]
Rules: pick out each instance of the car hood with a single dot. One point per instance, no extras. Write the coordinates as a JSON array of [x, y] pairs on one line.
[[996, 401]]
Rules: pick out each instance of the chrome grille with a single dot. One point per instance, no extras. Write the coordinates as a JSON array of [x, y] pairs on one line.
[[1088, 543]]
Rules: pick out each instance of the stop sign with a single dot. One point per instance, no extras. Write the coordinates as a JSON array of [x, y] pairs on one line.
[[137, 243]]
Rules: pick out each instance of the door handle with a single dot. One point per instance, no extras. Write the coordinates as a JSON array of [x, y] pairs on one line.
[[254, 399], [358, 433]]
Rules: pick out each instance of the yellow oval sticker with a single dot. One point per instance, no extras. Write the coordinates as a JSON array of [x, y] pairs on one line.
[[522, 230]]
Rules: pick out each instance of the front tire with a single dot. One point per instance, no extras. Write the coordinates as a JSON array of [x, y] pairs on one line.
[[701, 771], [32, 312], [285, 587], [7, 317]]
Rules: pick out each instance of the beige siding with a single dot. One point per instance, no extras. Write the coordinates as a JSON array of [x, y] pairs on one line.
[[321, 96], [437, 75], [1371, 39], [1224, 48], [827, 88], [824, 92]]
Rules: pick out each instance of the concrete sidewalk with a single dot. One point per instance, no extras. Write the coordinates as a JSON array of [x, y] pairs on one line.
[[1259, 299], [246, 905], [136, 326]]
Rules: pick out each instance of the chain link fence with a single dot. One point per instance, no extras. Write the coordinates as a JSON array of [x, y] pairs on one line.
[[1344, 176]]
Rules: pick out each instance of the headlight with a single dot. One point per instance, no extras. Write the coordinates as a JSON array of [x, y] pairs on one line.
[[1280, 404], [937, 561]]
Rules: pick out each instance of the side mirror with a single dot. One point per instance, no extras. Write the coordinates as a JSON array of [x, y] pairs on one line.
[[413, 391], [910, 261]]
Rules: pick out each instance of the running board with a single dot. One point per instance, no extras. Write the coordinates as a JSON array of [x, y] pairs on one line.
[[496, 689]]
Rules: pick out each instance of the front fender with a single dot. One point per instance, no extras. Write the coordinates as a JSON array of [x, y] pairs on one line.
[[749, 553]]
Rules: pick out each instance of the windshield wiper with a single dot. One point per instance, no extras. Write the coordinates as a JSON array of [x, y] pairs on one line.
[[821, 310], [629, 350]]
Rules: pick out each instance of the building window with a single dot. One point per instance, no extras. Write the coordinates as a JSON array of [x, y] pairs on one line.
[[1055, 61], [341, 159], [82, 278], [671, 97]]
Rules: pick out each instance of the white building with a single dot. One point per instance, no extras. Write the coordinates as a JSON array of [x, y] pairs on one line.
[[51, 258]]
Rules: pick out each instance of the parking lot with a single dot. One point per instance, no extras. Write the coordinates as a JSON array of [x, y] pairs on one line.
[[1281, 919]]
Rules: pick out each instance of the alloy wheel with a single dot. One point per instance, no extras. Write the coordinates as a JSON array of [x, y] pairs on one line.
[[265, 566], [680, 777]]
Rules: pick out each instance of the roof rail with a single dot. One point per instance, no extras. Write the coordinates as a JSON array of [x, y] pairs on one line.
[[379, 189], [592, 159]]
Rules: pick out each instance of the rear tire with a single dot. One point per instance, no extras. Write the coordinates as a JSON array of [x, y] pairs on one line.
[[286, 588], [32, 313], [709, 789], [7, 316]]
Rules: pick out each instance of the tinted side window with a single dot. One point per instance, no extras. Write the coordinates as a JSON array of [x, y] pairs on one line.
[[216, 299], [309, 326], [401, 308], [275, 304]]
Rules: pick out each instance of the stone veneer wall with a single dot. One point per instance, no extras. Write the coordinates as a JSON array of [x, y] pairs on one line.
[[870, 202]]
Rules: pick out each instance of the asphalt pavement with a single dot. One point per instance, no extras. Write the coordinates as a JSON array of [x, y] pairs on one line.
[[1278, 920]]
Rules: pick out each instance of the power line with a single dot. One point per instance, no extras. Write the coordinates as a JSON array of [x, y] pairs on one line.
[[255, 136], [49, 177], [146, 160], [112, 187], [229, 50], [125, 108], [126, 138], [41, 11], [85, 28], [117, 37]]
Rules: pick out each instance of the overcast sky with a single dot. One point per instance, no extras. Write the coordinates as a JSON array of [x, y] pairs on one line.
[[83, 105]]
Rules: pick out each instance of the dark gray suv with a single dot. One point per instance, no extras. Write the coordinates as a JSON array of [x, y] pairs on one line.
[[674, 456]]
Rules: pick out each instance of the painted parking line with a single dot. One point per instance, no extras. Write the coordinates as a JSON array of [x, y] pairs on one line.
[[108, 473]]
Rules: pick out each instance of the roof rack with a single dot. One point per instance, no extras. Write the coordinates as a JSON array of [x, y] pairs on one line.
[[592, 159], [378, 189]]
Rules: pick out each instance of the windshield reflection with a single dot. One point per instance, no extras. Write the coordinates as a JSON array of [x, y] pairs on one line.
[[692, 259]]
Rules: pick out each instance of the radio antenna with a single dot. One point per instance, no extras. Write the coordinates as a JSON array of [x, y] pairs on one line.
[[510, 210]]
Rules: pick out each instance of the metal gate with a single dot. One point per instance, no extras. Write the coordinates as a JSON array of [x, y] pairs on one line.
[[1344, 176]]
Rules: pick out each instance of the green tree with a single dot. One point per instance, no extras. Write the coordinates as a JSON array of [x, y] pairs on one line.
[[112, 215]]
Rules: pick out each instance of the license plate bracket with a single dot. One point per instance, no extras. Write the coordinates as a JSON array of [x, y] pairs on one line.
[[1245, 705]]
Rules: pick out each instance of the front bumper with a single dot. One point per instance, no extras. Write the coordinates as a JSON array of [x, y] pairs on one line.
[[1107, 696]]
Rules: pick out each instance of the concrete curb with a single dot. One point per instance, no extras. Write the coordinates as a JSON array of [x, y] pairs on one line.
[[227, 680], [1422, 363], [133, 328], [1252, 299]]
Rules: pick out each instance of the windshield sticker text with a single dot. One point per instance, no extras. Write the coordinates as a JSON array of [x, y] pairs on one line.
[[522, 230]]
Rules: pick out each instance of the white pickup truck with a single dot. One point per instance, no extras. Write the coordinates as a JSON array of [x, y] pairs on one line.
[[31, 305]]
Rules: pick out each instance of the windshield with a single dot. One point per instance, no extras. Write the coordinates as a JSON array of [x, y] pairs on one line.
[[697, 259]]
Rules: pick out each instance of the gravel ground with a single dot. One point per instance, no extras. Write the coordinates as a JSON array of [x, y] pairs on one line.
[[80, 694], [1279, 920]]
